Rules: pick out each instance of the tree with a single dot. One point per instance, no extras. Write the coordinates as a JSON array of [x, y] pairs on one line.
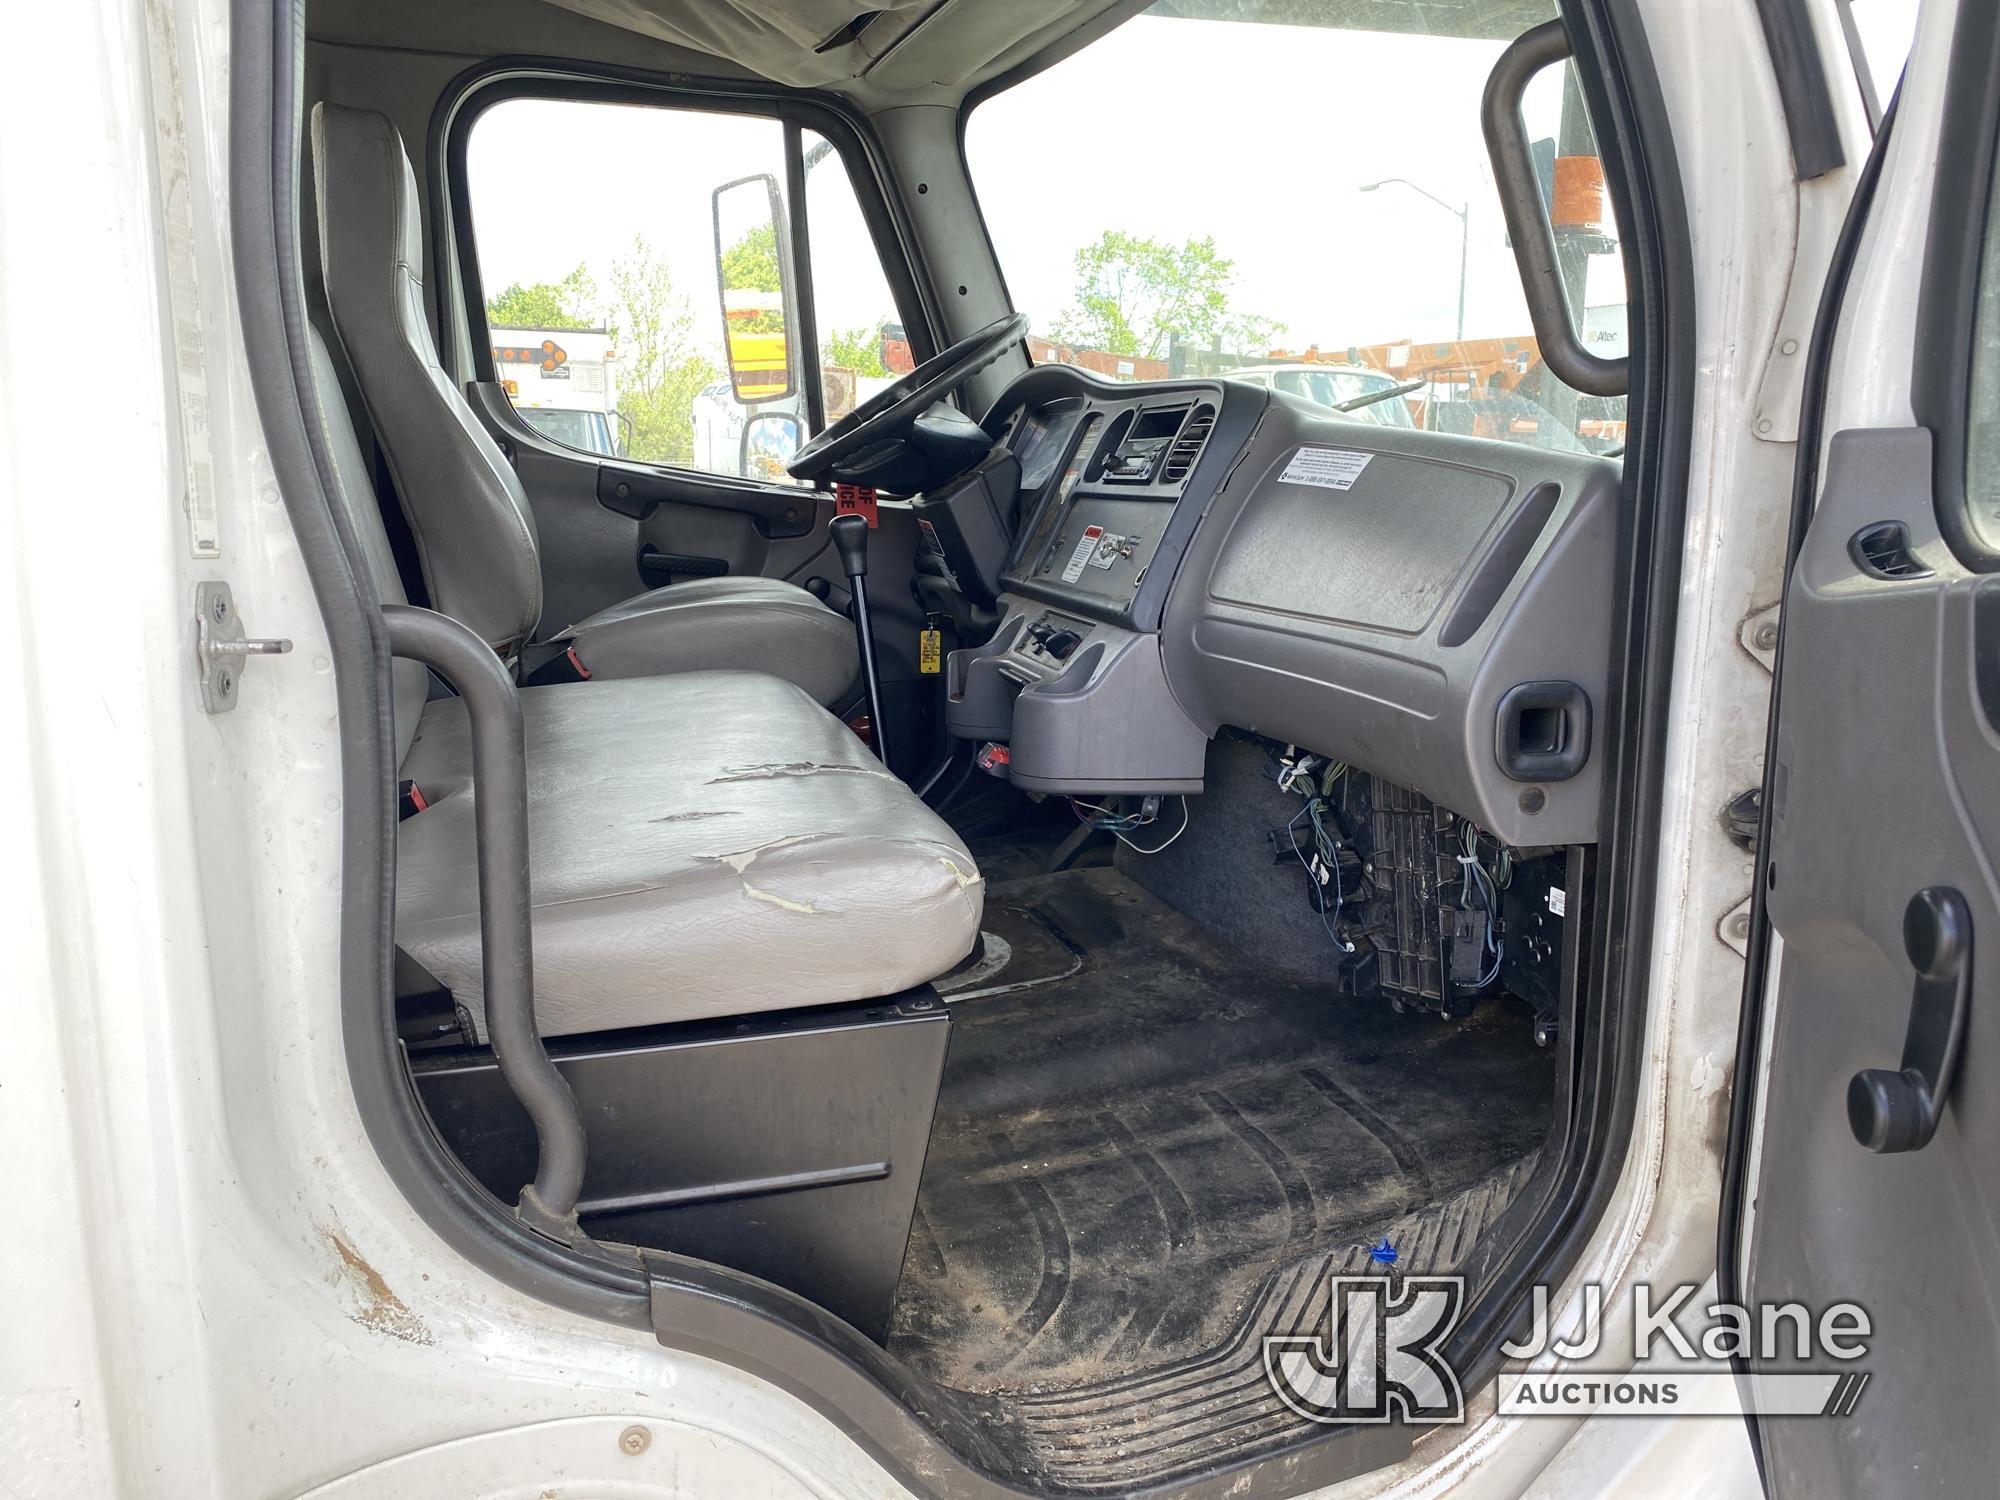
[[856, 349], [1247, 333], [1136, 295], [569, 303], [660, 369], [751, 265], [752, 262]]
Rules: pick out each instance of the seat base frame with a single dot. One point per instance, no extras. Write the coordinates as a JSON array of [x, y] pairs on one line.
[[787, 1145]]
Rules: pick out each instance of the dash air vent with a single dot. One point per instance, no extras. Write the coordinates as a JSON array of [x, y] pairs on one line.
[[1883, 550], [1187, 446]]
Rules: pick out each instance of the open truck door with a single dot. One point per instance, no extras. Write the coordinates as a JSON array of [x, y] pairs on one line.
[[1868, 1117]]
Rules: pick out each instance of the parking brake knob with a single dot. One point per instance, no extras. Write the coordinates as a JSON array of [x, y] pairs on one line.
[[850, 540]]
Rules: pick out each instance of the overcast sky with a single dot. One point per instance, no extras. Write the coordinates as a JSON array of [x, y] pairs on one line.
[[1263, 136], [1259, 135], [555, 184]]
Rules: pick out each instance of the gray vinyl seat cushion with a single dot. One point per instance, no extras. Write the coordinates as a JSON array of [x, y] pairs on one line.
[[709, 844], [473, 527], [753, 624]]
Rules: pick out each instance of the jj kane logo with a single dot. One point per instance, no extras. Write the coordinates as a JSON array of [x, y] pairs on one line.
[[1375, 1353], [1377, 1356]]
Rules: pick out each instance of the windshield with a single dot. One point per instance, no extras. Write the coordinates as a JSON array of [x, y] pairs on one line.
[[1209, 237], [1336, 387]]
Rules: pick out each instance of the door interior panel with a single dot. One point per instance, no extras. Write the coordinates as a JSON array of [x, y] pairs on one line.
[[1886, 782], [590, 550], [697, 531]]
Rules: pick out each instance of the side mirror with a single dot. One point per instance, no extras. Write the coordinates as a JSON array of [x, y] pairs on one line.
[[771, 440], [753, 274], [625, 434]]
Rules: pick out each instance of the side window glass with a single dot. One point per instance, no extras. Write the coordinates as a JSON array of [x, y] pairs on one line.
[[1982, 425], [1879, 33], [636, 267], [862, 342], [1578, 206]]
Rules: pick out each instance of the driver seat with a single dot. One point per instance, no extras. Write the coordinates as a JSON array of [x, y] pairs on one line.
[[474, 531]]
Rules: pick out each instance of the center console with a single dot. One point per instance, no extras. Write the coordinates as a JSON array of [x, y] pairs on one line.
[[1114, 482]]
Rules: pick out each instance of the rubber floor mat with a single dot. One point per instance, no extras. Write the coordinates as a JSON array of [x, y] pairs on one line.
[[1117, 1435], [1123, 1158]]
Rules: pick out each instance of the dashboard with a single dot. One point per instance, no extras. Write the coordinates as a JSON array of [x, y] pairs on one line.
[[1179, 556], [1113, 482]]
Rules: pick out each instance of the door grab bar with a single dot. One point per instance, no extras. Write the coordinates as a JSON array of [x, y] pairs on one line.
[[506, 943], [1528, 224], [1898, 1110]]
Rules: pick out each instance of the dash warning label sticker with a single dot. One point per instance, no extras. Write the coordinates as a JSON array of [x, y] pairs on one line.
[[1329, 468], [1085, 546]]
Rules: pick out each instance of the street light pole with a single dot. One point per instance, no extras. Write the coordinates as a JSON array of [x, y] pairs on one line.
[[1464, 217], [1464, 249]]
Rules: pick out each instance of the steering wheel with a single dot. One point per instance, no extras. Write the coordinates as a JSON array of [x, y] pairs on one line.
[[893, 412]]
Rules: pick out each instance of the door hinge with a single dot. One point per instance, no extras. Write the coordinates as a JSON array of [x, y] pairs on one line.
[[221, 649], [1742, 816]]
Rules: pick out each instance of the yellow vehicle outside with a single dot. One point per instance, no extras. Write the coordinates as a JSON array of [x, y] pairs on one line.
[[759, 364], [759, 354]]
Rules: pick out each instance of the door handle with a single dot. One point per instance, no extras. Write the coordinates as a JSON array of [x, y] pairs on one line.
[[1899, 1110], [657, 569], [1543, 731]]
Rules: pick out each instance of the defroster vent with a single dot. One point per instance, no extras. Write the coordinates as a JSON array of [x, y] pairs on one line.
[[1187, 444]]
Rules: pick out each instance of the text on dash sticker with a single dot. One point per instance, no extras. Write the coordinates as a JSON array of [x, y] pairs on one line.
[[1085, 545], [1329, 468]]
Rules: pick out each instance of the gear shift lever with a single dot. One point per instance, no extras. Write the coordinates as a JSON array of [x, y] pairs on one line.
[[850, 540]]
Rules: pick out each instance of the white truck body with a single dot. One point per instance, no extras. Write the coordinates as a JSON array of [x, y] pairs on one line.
[[563, 382], [224, 1293]]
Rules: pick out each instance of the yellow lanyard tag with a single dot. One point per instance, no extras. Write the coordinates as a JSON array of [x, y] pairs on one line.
[[930, 652]]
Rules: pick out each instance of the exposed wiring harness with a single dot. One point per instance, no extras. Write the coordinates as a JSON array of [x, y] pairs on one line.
[[1461, 932], [1315, 778], [1475, 876], [1118, 824]]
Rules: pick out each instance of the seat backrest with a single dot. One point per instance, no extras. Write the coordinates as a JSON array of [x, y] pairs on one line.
[[475, 535], [355, 495]]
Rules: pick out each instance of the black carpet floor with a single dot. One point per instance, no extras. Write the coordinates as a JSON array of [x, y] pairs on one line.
[[1136, 1136]]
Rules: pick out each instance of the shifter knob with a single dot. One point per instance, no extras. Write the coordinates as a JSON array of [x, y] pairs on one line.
[[850, 540]]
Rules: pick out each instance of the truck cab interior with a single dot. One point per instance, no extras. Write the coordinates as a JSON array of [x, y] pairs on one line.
[[969, 865]]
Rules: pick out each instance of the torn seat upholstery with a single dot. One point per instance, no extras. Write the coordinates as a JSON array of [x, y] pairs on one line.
[[703, 844], [473, 528], [710, 844]]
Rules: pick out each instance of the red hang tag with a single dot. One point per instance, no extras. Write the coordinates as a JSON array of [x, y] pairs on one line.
[[855, 500]]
